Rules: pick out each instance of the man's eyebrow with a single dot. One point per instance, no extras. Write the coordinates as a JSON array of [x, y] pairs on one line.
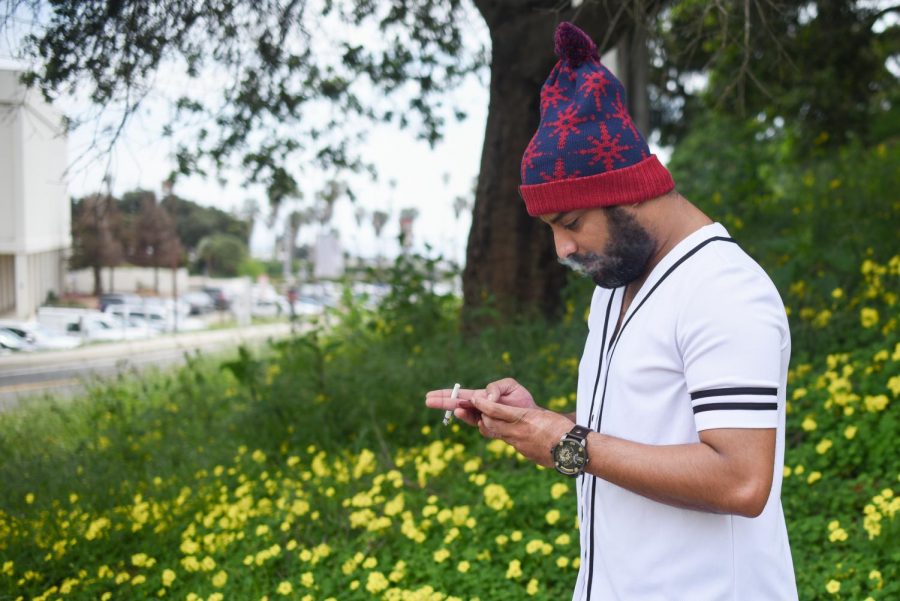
[[559, 217]]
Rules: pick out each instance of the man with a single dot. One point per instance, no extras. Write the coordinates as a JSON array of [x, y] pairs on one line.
[[677, 443]]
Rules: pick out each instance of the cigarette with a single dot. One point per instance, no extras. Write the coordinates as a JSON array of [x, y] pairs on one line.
[[448, 414]]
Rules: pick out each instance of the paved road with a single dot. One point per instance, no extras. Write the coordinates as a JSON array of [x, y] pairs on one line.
[[64, 372]]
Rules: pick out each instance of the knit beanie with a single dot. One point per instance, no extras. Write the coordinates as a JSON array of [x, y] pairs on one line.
[[586, 151]]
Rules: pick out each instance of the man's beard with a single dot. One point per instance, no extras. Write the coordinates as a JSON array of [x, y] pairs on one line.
[[626, 254]]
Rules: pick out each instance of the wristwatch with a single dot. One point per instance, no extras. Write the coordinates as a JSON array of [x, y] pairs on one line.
[[570, 454]]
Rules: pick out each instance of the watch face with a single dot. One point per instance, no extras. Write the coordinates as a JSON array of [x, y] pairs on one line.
[[570, 457]]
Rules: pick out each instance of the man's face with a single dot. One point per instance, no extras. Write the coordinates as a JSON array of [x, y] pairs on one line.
[[625, 247]]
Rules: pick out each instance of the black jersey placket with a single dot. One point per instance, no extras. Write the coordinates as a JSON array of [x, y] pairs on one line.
[[591, 418], [612, 349]]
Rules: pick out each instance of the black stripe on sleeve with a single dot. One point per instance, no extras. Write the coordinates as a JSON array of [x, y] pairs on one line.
[[736, 406], [702, 394]]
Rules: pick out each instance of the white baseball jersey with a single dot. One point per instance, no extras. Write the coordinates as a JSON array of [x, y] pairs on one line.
[[705, 344]]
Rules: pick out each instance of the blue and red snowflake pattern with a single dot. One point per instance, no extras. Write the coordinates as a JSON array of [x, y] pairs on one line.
[[606, 149], [585, 127], [559, 172], [551, 96], [621, 114], [531, 153], [566, 124], [594, 84]]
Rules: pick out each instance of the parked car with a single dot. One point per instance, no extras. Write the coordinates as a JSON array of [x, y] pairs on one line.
[[89, 325], [267, 307], [304, 305], [107, 300], [220, 297], [14, 342], [140, 316], [199, 303], [40, 337]]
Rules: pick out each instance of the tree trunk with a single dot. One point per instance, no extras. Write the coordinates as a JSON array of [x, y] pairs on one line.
[[98, 279], [634, 61], [510, 259]]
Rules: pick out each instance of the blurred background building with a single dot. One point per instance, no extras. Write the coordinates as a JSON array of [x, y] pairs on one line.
[[35, 215]]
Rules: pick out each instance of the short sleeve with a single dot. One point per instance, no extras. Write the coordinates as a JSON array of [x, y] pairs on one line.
[[732, 334]]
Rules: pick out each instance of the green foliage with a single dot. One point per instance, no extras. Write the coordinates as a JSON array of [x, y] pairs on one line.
[[820, 69], [194, 222], [822, 228], [252, 267], [221, 255], [250, 476]]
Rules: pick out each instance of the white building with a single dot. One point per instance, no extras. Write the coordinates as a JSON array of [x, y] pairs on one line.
[[35, 215]]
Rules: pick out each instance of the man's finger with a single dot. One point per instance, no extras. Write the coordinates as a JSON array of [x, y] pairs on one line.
[[469, 416], [501, 388], [496, 410], [440, 399]]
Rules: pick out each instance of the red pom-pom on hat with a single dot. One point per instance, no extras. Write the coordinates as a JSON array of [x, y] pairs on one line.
[[573, 45]]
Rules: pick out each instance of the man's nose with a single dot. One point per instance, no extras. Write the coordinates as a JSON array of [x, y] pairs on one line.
[[565, 246]]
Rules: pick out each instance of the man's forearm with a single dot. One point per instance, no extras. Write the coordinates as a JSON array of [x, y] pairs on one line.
[[734, 477]]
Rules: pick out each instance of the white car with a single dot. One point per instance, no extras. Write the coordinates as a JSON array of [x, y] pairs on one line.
[[40, 337], [14, 342], [89, 325]]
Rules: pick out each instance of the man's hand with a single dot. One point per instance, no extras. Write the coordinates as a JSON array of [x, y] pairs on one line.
[[532, 431], [462, 406], [506, 392]]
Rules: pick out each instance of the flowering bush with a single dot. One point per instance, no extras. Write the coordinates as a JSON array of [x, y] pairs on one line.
[[312, 471]]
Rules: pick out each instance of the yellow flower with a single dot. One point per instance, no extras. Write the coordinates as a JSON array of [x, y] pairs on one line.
[[441, 554], [284, 588], [516, 536], [496, 497], [139, 560], [220, 579], [534, 546], [876, 403], [850, 432], [822, 318], [376, 582], [813, 477], [532, 587], [168, 577], [809, 424], [823, 446], [29, 498], [514, 570], [562, 540], [562, 562], [837, 293], [833, 586], [894, 385], [560, 488], [552, 516], [786, 471], [501, 539], [463, 566], [868, 317]]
